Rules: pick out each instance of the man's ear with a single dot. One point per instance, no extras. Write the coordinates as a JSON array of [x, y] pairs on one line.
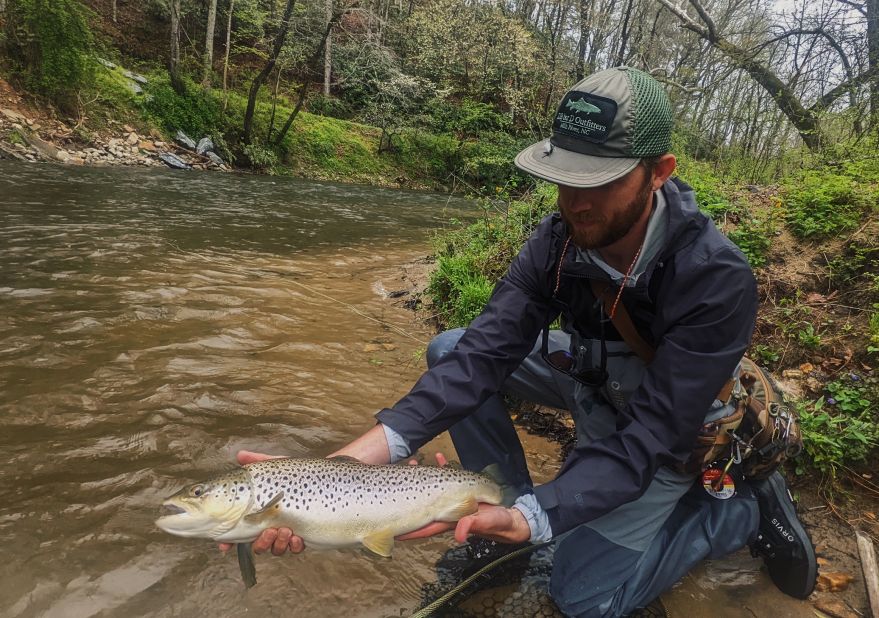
[[663, 170]]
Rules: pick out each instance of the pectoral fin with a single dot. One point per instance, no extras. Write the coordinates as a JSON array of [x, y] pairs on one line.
[[466, 507], [381, 542], [257, 516], [245, 563]]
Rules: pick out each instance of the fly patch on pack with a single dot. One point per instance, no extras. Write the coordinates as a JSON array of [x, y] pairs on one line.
[[583, 116]]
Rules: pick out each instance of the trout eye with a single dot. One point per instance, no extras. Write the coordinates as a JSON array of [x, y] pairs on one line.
[[197, 491]]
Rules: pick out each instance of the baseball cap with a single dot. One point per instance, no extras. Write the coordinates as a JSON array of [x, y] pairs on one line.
[[604, 126]]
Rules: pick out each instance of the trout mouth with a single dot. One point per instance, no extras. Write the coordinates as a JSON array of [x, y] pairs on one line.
[[171, 509]]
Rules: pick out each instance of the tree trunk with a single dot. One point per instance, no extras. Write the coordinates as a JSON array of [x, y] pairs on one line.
[[328, 53], [174, 63], [584, 39], [303, 89], [260, 79], [873, 58], [3, 6], [209, 44], [624, 34], [228, 47]]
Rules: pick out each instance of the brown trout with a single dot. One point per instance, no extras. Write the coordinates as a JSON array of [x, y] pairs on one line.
[[330, 503]]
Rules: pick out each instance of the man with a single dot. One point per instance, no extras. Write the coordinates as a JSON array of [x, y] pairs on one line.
[[627, 240]]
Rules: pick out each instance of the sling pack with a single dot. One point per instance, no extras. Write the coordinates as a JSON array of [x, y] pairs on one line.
[[760, 433]]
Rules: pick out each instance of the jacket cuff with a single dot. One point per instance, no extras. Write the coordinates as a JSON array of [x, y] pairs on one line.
[[397, 445], [537, 518]]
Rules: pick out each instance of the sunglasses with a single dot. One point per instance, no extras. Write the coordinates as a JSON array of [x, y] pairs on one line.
[[564, 362]]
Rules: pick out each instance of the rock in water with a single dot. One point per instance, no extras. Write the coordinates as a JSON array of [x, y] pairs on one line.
[[205, 145], [184, 140], [216, 160], [173, 161]]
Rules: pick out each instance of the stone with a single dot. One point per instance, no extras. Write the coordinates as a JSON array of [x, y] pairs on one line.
[[159, 144], [184, 140], [107, 63], [835, 608], [134, 87], [833, 582], [205, 144], [128, 128], [371, 347], [173, 161], [791, 374], [148, 146], [13, 115], [215, 159], [132, 139], [63, 156], [140, 79]]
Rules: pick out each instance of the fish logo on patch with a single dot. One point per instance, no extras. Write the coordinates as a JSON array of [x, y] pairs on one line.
[[583, 106]]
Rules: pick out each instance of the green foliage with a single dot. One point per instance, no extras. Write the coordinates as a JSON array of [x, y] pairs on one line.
[[840, 429], [820, 203], [765, 354], [709, 193], [260, 157], [50, 44], [428, 155], [467, 119], [197, 112], [488, 161], [471, 259], [753, 236], [873, 346]]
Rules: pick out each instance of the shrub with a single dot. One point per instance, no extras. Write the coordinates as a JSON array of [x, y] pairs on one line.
[[821, 203], [50, 44], [197, 112], [488, 161], [840, 429]]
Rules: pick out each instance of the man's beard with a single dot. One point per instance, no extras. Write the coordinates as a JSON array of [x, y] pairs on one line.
[[604, 232]]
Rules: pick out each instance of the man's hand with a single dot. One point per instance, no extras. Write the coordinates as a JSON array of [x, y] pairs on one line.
[[278, 540], [494, 522]]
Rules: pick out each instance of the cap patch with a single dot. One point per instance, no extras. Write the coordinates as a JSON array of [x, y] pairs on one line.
[[585, 116]]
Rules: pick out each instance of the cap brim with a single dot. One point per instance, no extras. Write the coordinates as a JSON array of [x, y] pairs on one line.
[[572, 169]]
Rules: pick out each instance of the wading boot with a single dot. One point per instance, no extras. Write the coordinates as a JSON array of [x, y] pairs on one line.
[[782, 541]]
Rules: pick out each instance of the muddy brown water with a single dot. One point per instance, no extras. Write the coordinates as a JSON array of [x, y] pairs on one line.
[[151, 325]]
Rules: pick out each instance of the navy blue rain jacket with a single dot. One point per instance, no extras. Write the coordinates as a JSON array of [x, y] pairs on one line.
[[695, 303]]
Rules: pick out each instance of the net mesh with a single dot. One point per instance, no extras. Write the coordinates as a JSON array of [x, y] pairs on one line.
[[653, 118]]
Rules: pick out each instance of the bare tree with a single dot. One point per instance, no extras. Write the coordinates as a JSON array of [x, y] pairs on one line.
[[174, 62], [228, 48], [209, 44], [785, 95], [259, 80], [328, 54]]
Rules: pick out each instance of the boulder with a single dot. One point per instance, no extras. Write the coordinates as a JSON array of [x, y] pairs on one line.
[[140, 79], [132, 139], [134, 88], [174, 162], [148, 146], [106, 63], [13, 115], [205, 144], [184, 140], [215, 159]]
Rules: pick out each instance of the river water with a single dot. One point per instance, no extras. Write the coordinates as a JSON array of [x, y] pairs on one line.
[[152, 324]]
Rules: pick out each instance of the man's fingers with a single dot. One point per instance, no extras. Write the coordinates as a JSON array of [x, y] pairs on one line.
[[428, 530], [248, 457], [462, 530], [224, 547], [441, 459], [296, 544], [264, 542], [282, 541]]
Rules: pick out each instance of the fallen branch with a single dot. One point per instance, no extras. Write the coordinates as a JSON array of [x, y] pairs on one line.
[[871, 573]]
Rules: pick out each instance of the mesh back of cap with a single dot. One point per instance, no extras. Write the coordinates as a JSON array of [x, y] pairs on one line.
[[651, 136]]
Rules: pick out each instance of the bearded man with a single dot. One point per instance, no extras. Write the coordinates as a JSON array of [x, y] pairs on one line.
[[634, 271]]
